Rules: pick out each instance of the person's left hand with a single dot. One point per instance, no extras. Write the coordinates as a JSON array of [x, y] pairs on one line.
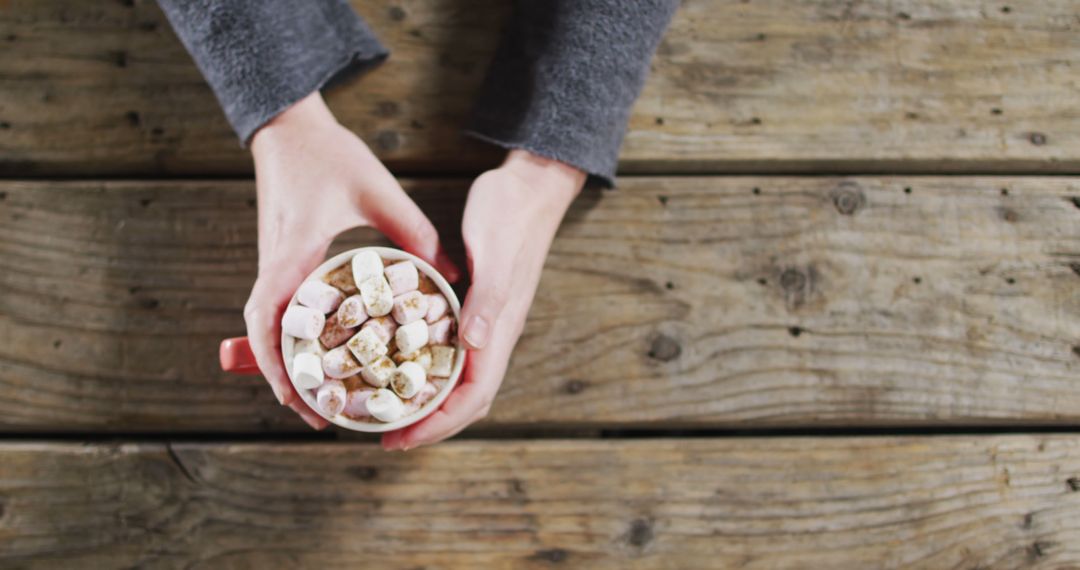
[[510, 218]]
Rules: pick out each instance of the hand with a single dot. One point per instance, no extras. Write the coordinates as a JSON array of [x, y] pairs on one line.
[[316, 179], [510, 219]]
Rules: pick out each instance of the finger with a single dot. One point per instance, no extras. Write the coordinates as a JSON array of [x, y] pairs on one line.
[[488, 294], [467, 403], [263, 312], [397, 216], [308, 415]]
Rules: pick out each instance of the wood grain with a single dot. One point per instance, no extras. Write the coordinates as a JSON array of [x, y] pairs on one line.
[[942, 502], [91, 88], [697, 302]]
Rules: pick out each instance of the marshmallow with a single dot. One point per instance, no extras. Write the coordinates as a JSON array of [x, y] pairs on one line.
[[442, 361], [378, 299], [307, 372], [421, 357], [378, 372], [366, 265], [437, 307], [309, 345], [402, 277], [422, 397], [302, 322], [366, 346], [339, 363], [356, 404], [319, 296], [342, 279], [331, 397], [439, 331], [409, 307], [385, 405], [411, 337], [335, 335], [384, 327], [351, 312], [408, 379]]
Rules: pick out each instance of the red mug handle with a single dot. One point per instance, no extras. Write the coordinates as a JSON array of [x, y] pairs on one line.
[[236, 356]]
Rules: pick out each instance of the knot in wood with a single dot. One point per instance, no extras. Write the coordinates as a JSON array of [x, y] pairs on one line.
[[664, 348], [793, 280], [848, 199]]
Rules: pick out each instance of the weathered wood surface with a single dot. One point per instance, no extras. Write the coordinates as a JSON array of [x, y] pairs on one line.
[[763, 86], [956, 502], [703, 302]]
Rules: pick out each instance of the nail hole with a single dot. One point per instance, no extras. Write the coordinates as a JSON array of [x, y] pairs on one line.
[[1010, 281], [146, 202], [761, 37], [755, 121], [907, 189], [917, 280], [5, 125], [575, 387], [133, 118], [1075, 201], [996, 111], [795, 331], [756, 190], [553, 555], [669, 285], [57, 343], [663, 200], [251, 202], [903, 16], [659, 120], [763, 281], [1037, 139], [1004, 191], [1005, 9]]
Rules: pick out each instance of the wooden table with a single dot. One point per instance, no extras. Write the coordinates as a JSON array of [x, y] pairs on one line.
[[831, 314]]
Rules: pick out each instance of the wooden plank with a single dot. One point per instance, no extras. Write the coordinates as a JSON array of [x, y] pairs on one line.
[[929, 502], [764, 86], [696, 302]]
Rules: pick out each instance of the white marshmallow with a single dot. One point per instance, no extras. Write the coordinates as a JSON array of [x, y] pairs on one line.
[[442, 361], [378, 299], [438, 306], [383, 327], [331, 397], [356, 404], [302, 322], [408, 379], [385, 405], [351, 312], [366, 346], [309, 345], [319, 296], [378, 372], [307, 372], [411, 337], [421, 357], [339, 363], [439, 331], [402, 276], [409, 307], [366, 265]]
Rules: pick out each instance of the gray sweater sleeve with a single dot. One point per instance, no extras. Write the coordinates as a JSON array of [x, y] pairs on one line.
[[565, 76], [261, 56]]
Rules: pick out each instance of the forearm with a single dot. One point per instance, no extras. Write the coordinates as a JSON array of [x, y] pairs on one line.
[[262, 56], [565, 77]]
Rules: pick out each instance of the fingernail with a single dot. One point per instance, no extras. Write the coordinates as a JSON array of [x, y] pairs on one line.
[[477, 331], [280, 398]]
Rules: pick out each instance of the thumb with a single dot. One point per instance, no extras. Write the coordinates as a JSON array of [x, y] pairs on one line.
[[485, 301], [401, 220]]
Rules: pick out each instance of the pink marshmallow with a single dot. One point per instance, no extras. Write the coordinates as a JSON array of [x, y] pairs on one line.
[[356, 404], [330, 397], [385, 327], [439, 331], [335, 335], [403, 277], [409, 307], [437, 307]]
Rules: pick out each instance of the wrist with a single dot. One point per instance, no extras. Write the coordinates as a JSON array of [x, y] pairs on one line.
[[551, 178], [304, 116]]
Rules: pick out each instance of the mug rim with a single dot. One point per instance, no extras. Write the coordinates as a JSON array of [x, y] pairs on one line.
[[392, 254]]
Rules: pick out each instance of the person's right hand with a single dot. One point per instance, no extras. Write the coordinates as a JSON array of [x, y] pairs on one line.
[[316, 179]]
